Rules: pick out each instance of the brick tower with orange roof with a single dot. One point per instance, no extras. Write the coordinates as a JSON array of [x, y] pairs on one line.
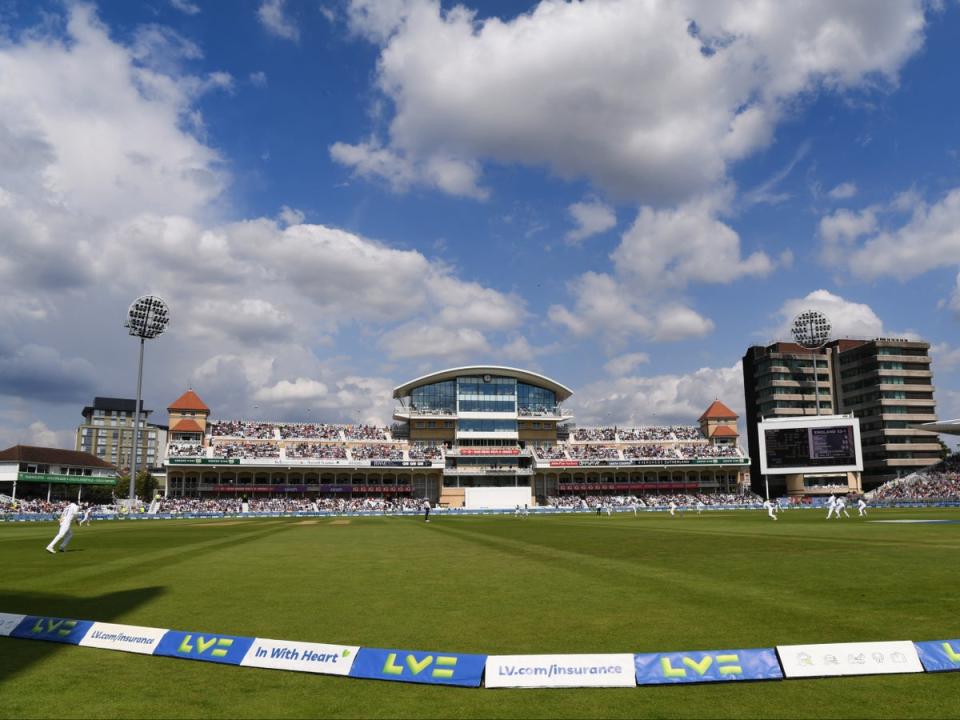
[[719, 424], [188, 418]]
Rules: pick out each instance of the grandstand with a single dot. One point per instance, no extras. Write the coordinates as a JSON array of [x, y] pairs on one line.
[[461, 437], [937, 482]]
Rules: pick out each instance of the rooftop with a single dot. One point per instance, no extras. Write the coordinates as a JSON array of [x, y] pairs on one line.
[[51, 456], [526, 376], [188, 401]]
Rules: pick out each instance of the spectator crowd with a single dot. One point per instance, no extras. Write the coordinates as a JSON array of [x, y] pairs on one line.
[[937, 482], [266, 450]]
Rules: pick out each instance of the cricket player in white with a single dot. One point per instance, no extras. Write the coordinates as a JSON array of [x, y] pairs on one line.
[[85, 520], [67, 517], [841, 507], [673, 508], [700, 506], [831, 507], [770, 508], [862, 507]]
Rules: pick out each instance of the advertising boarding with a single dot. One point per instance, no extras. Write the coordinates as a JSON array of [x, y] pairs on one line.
[[208, 647], [125, 638], [700, 666], [560, 671], [53, 629], [835, 659], [415, 666], [301, 656], [8, 622], [939, 655]]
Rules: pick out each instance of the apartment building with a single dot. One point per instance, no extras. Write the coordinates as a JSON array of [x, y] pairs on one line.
[[886, 383], [107, 433]]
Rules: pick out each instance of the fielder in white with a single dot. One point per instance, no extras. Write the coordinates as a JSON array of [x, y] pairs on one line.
[[841, 507], [831, 507], [770, 508], [87, 511], [673, 508], [862, 507], [67, 517]]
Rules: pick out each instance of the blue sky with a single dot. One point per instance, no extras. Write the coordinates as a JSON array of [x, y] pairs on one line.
[[337, 197]]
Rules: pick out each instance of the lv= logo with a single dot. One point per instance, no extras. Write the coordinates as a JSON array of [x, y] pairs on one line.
[[443, 665], [726, 665], [222, 645], [51, 626]]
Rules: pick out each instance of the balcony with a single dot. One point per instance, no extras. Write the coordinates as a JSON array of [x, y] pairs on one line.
[[483, 470]]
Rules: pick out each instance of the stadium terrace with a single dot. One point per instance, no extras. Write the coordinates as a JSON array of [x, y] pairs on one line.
[[473, 437]]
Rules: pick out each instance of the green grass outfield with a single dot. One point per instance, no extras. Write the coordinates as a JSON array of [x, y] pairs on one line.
[[493, 585]]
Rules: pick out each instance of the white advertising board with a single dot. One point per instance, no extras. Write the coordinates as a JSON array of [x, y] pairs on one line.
[[8, 621], [560, 671], [864, 658], [125, 638], [496, 498], [301, 656]]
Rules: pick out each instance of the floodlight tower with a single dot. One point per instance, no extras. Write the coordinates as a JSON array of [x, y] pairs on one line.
[[147, 318], [811, 330]]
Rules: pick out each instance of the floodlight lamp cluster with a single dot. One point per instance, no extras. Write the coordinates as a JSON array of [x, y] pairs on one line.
[[148, 317], [811, 329]]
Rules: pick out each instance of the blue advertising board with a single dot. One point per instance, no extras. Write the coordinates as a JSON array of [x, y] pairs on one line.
[[208, 647], [939, 655], [53, 629], [414, 666], [700, 666]]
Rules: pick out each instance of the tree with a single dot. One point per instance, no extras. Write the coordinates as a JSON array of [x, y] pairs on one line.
[[945, 450], [145, 486]]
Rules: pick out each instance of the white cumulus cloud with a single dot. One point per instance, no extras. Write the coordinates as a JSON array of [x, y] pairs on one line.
[[848, 319], [591, 217], [649, 101]]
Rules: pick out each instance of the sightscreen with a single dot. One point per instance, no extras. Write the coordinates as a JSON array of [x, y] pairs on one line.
[[805, 446]]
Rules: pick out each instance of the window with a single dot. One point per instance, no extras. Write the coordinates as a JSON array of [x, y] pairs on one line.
[[436, 397], [488, 425], [486, 394], [533, 399]]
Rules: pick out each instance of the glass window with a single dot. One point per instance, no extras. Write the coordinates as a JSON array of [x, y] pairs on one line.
[[436, 397], [488, 425], [532, 399], [494, 394]]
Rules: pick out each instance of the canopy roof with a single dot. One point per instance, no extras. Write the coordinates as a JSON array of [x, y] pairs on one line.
[[531, 378], [949, 427]]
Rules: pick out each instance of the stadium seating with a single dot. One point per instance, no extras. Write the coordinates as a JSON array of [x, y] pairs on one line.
[[940, 481]]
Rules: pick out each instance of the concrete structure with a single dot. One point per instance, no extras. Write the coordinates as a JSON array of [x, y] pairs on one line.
[[456, 432], [886, 383], [107, 432], [55, 472]]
